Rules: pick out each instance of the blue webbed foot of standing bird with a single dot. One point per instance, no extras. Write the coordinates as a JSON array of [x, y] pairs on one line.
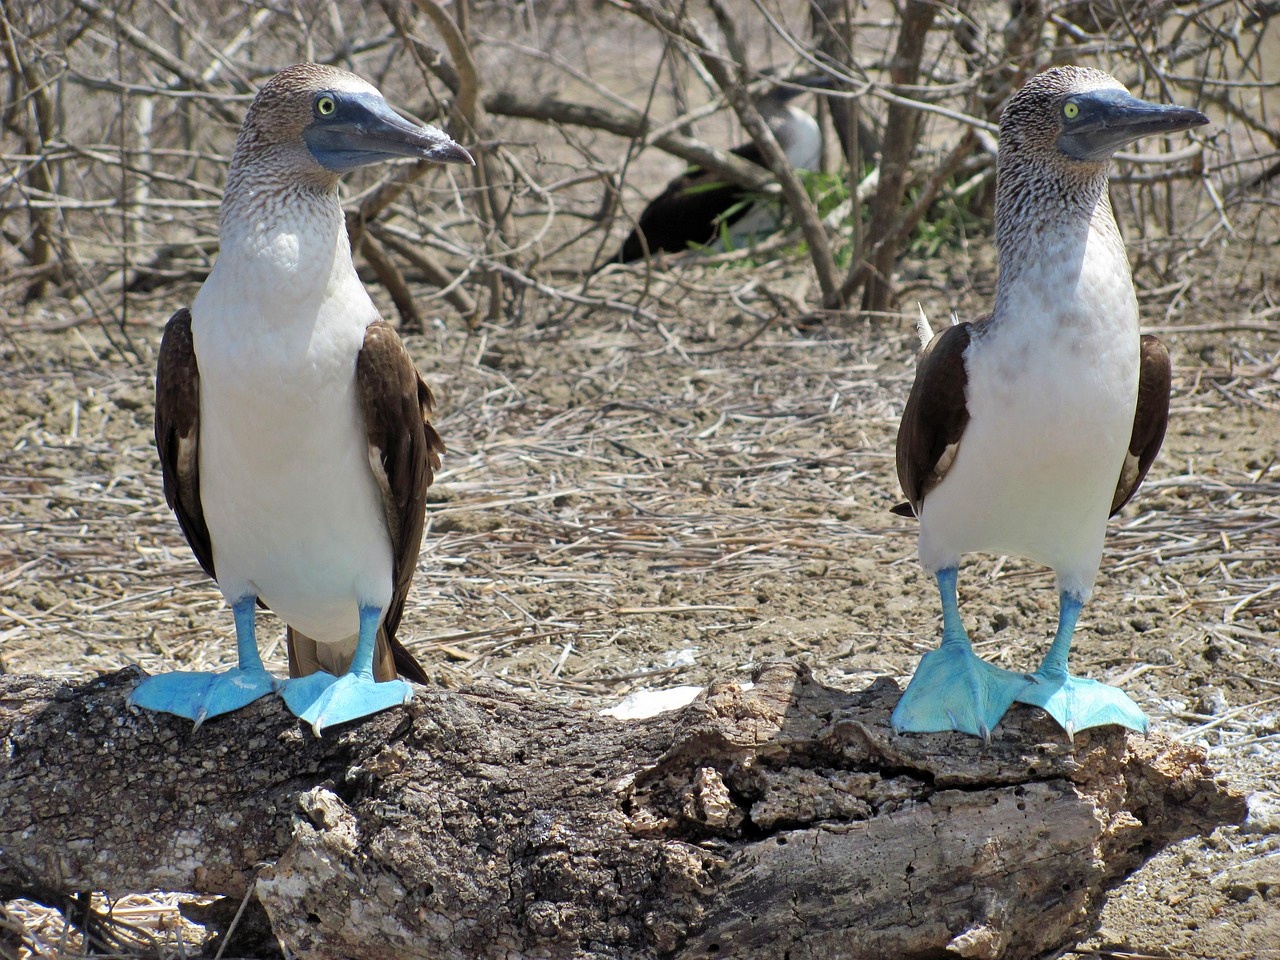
[[199, 695], [1077, 703], [954, 688], [323, 700]]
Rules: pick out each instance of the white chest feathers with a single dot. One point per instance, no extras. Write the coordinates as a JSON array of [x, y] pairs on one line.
[[1052, 387], [801, 139], [294, 513]]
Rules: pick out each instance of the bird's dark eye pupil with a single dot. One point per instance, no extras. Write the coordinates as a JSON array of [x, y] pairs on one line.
[[325, 106]]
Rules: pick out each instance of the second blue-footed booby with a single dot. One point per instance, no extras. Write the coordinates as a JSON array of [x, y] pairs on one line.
[[1026, 429], [290, 421], [698, 204]]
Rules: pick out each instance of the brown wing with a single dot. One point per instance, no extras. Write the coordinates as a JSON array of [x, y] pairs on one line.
[[1150, 418], [178, 433], [934, 418], [404, 450]]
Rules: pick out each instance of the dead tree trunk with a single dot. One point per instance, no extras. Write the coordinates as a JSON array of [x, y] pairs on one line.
[[786, 819]]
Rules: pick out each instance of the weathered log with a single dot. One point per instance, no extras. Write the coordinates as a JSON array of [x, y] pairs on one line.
[[783, 820]]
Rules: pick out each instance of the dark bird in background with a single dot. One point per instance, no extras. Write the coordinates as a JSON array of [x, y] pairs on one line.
[[698, 204], [1025, 430], [291, 424]]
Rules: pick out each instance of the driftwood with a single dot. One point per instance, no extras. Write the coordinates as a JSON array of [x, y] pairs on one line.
[[784, 820]]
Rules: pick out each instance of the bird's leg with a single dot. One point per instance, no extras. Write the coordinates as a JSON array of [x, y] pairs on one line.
[[199, 695], [953, 688], [1077, 703], [323, 700], [244, 611], [952, 626]]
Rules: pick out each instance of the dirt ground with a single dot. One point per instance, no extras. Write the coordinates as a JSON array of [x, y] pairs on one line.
[[662, 497]]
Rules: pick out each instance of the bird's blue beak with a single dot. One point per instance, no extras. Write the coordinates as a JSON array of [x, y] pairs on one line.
[[1106, 120], [362, 129]]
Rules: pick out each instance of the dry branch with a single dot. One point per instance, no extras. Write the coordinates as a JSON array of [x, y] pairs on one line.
[[157, 53], [31, 119], [629, 123], [786, 819], [388, 275], [469, 114], [901, 135]]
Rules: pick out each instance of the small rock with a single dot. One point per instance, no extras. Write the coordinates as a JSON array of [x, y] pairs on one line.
[[1212, 702], [814, 568], [1264, 814], [1240, 892]]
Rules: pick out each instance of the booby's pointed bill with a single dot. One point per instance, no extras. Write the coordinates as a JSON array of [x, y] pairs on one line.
[[1098, 123], [350, 130]]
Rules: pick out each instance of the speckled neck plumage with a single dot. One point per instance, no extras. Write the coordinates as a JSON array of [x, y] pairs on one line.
[[1030, 195], [271, 169], [1040, 192], [258, 198]]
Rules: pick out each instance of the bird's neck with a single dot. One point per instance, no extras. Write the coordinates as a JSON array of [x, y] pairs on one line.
[[283, 235], [1057, 232], [283, 270]]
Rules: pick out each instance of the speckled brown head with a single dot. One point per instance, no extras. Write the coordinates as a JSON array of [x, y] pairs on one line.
[[1057, 134], [1078, 114], [313, 123]]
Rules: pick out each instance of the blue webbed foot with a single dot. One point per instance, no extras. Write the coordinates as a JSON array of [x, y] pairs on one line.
[[324, 701], [1078, 703], [955, 689], [199, 695]]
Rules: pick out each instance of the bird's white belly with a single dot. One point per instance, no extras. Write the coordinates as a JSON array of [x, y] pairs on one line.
[[1051, 415], [294, 512]]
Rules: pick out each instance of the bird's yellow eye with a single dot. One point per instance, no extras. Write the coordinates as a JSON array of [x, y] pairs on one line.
[[325, 105], [1071, 109]]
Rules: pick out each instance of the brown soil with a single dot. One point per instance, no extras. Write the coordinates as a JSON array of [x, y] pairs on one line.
[[636, 500]]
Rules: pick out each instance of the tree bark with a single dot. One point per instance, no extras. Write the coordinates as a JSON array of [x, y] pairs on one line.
[[786, 819], [902, 127]]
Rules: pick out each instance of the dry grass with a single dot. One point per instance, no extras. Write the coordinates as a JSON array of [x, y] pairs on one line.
[[630, 503], [582, 452], [653, 477], [150, 926]]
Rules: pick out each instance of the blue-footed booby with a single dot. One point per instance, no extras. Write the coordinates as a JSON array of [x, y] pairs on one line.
[[696, 205], [291, 423], [1026, 429]]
